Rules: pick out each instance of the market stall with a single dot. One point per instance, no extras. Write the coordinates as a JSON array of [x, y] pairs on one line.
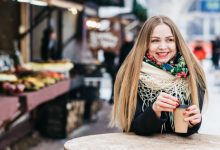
[[40, 94], [24, 89]]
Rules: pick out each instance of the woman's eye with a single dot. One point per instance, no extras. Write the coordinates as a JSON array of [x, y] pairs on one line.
[[154, 41], [170, 40]]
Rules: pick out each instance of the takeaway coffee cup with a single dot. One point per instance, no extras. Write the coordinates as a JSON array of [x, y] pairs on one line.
[[180, 125]]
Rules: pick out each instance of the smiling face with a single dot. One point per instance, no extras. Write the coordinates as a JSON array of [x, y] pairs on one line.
[[162, 44]]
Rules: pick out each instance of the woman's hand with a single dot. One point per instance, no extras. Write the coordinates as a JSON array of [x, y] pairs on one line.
[[165, 102], [193, 115]]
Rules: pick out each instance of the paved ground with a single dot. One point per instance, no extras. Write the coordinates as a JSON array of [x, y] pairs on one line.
[[210, 125], [211, 120]]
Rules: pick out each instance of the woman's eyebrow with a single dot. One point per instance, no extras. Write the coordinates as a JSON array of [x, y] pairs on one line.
[[156, 37]]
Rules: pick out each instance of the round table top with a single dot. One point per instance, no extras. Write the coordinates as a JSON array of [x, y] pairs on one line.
[[129, 141]]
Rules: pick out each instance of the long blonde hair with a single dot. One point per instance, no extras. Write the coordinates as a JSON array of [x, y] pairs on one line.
[[126, 83]]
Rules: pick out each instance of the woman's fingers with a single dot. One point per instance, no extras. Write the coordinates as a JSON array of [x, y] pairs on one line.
[[193, 115], [169, 102], [192, 110], [167, 110], [195, 121], [193, 118], [192, 107], [168, 96], [165, 105], [164, 102], [160, 108]]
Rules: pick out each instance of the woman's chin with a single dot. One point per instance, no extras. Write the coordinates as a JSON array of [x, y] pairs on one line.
[[162, 61]]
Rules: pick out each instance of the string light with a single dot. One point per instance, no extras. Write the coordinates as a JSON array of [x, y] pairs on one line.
[[93, 24], [73, 11]]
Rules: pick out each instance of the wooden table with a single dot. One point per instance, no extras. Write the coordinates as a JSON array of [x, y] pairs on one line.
[[9, 107], [122, 141]]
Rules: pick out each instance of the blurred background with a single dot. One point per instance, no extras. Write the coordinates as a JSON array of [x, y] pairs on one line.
[[59, 59]]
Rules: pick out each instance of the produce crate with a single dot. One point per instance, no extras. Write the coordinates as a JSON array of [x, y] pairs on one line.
[[58, 118]]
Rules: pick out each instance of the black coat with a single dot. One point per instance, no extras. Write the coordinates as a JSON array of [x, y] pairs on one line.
[[147, 123]]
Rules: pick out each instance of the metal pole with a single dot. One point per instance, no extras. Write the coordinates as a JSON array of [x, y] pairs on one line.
[[59, 33], [31, 33]]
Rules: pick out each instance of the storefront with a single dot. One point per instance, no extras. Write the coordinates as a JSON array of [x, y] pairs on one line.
[[36, 80], [50, 71]]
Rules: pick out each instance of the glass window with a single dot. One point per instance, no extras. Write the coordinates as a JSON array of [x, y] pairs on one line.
[[195, 27], [212, 26]]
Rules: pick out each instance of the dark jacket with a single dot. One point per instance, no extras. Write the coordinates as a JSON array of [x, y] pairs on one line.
[[147, 123]]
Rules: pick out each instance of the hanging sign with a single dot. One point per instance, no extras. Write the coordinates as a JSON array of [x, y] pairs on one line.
[[209, 5]]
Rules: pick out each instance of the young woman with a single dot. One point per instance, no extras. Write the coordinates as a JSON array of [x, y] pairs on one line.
[[159, 74]]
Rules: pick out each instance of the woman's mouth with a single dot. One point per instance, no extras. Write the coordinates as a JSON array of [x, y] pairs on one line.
[[162, 55]]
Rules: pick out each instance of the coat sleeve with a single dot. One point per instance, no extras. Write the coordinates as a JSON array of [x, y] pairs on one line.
[[146, 123], [196, 127]]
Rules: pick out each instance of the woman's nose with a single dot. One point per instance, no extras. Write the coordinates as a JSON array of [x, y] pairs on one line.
[[162, 45]]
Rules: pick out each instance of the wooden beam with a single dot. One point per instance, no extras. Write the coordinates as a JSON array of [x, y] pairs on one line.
[[25, 48]]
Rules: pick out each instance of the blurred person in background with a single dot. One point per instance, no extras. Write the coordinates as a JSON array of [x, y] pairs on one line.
[[49, 44], [199, 51], [159, 74], [110, 55], [216, 52], [111, 69], [126, 46]]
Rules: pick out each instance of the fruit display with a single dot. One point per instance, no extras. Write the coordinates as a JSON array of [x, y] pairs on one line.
[[32, 83], [33, 76], [7, 77], [50, 74], [12, 87], [56, 66], [39, 80], [27, 80]]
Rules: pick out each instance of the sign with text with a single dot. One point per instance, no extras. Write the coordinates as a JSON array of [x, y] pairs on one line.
[[209, 5], [108, 41]]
